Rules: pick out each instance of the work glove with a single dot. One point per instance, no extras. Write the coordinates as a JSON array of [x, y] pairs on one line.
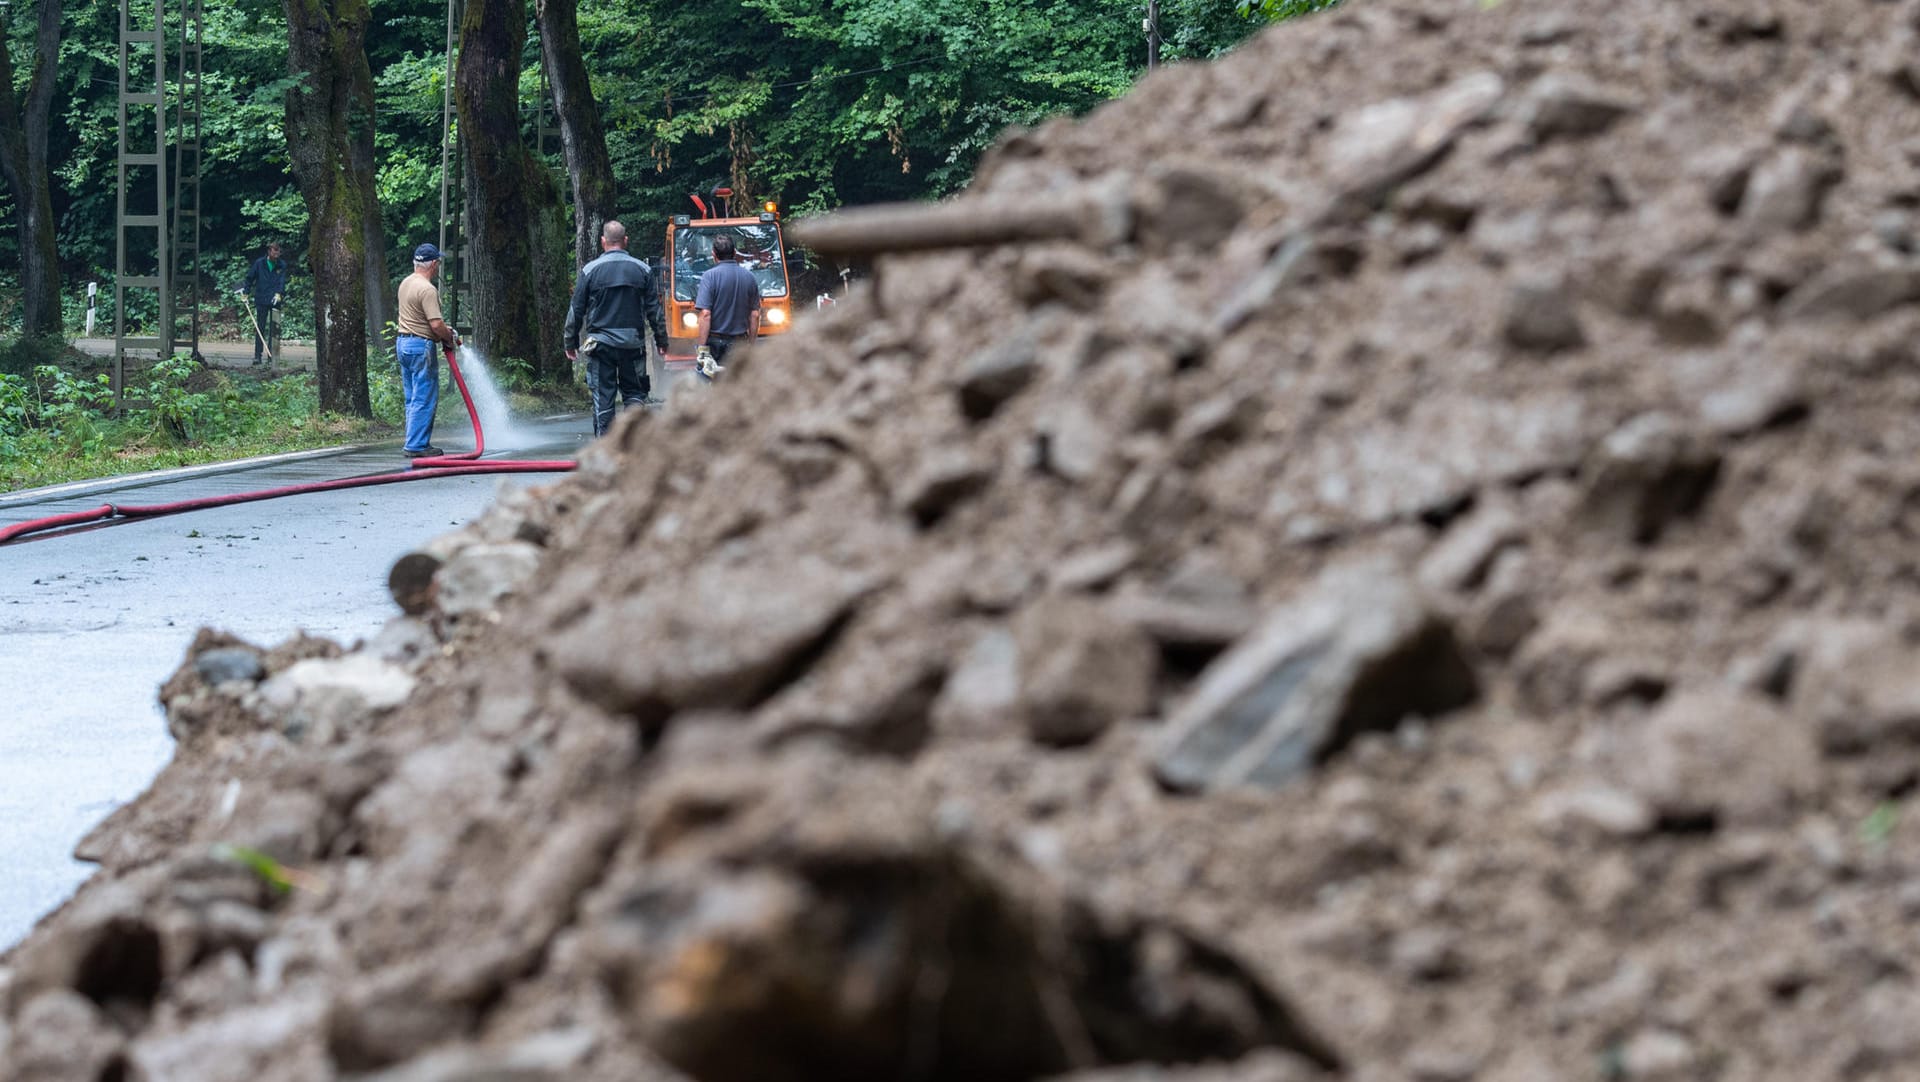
[[705, 356], [276, 300]]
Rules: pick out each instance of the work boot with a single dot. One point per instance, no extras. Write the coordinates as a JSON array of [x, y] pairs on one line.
[[428, 451]]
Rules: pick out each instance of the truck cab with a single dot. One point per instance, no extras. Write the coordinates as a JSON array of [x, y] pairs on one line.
[[689, 252]]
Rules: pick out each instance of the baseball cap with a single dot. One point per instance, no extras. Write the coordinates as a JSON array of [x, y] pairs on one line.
[[426, 253]]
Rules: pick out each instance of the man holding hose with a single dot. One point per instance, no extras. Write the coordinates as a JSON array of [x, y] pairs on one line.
[[420, 326]]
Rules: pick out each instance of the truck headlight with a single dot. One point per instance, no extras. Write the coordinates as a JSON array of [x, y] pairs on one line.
[[691, 319], [776, 316]]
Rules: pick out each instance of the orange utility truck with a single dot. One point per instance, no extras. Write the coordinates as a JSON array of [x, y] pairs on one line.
[[761, 250]]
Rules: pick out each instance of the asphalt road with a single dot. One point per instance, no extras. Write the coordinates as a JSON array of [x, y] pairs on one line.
[[92, 622]]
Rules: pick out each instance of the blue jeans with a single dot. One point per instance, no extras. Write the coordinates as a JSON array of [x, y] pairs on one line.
[[420, 387]]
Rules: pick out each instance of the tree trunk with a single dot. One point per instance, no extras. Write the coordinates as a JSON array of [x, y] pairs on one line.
[[329, 121], [516, 251], [381, 289], [580, 129], [23, 165]]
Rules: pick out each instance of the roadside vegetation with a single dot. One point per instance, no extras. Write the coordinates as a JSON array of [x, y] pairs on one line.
[[57, 421]]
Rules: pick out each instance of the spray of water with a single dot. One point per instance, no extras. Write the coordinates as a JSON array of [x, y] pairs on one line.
[[502, 433]]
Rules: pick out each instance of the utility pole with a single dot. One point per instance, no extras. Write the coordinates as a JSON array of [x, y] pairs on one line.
[[1152, 26]]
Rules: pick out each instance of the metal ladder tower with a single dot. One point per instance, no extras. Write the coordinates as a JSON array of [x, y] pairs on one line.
[[187, 146], [146, 208], [451, 204], [143, 49]]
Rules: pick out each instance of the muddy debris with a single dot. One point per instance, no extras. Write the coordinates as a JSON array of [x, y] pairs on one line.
[[1400, 565]]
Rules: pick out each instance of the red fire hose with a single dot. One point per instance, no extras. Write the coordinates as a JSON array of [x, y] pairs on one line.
[[421, 469]]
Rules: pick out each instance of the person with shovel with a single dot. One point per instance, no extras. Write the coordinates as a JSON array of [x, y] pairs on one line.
[[266, 283]]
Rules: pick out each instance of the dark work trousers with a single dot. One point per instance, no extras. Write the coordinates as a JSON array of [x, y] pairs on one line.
[[610, 369], [262, 314], [719, 344]]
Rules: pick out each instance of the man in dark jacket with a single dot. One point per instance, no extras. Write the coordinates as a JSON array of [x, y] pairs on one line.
[[614, 302], [267, 283]]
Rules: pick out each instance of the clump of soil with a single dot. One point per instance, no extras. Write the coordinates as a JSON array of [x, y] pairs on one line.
[[1410, 574]]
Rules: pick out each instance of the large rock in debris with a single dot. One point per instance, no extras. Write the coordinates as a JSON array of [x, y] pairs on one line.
[[1714, 757], [808, 923], [1362, 650], [724, 637], [1081, 669]]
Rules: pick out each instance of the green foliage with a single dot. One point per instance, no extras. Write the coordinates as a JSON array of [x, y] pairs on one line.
[[57, 424], [1276, 10], [22, 355]]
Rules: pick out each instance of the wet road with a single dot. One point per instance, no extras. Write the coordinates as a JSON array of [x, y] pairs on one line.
[[91, 623]]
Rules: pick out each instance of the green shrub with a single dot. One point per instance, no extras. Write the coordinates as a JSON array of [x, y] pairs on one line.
[[20, 356]]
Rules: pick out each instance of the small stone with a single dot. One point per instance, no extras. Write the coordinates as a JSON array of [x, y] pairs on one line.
[[1075, 444], [1860, 682], [1178, 623], [1608, 811], [1094, 568], [1187, 207], [1646, 474], [1461, 558], [1786, 191], [1081, 670], [1857, 294], [1742, 389], [943, 480], [1895, 229], [61, 1035], [319, 698], [481, 576], [997, 373], [1217, 421], [1505, 612], [1714, 757], [1616, 679], [1541, 317], [1426, 954], [411, 582], [1360, 651], [1069, 274], [1380, 147], [1566, 106], [1658, 1054], [229, 663], [404, 640], [982, 695]]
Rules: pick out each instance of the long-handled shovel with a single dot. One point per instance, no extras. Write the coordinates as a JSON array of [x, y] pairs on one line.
[[262, 339]]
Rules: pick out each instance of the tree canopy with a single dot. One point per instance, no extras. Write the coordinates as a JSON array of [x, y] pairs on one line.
[[816, 103]]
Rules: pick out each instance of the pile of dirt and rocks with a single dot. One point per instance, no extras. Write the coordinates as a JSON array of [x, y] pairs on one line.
[[1390, 556]]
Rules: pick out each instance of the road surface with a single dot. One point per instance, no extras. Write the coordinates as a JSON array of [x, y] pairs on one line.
[[91, 623], [220, 354]]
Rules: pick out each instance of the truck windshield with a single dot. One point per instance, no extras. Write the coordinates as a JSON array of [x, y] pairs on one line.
[[758, 247]]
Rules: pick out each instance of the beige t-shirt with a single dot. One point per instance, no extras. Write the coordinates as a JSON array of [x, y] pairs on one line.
[[419, 306]]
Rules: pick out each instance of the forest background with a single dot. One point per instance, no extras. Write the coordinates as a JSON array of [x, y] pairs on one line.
[[813, 103]]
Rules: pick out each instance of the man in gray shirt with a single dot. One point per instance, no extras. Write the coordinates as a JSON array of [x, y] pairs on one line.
[[613, 302], [729, 305]]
